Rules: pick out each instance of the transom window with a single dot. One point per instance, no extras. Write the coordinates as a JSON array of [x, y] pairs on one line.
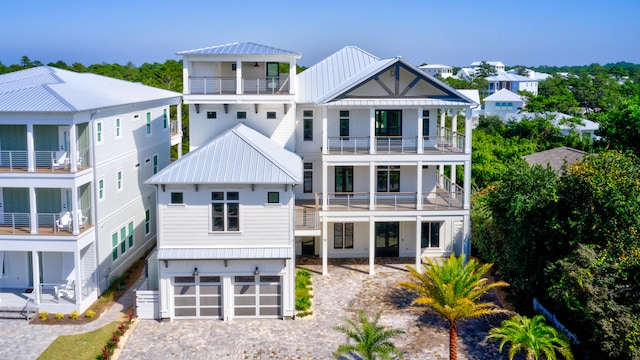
[[388, 122], [343, 235], [307, 122], [271, 115], [388, 179], [430, 234], [211, 115], [241, 115], [225, 211]]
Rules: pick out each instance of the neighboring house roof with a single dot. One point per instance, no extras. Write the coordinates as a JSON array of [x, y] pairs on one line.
[[435, 66], [238, 48], [466, 73], [492, 63], [504, 76], [555, 158], [472, 94], [49, 89], [503, 95], [343, 71], [558, 117], [240, 155], [539, 76]]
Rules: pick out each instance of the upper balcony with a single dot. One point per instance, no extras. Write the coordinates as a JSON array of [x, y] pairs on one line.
[[275, 85], [44, 161], [45, 223]]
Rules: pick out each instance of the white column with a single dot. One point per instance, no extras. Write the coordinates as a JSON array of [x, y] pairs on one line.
[[75, 214], [372, 245], [418, 243], [33, 210], [325, 185], [179, 129], [419, 185], [293, 79], [420, 134], [372, 185], [30, 149], [467, 184], [78, 276], [442, 121], [467, 132], [186, 87], [372, 131], [466, 236], [73, 148], [238, 77], [325, 246], [454, 127], [325, 134], [35, 265]]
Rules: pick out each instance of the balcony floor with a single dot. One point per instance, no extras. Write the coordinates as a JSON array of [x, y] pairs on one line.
[[42, 230]]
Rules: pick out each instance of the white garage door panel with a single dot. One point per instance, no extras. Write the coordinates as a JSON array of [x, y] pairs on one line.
[[257, 296], [197, 297]]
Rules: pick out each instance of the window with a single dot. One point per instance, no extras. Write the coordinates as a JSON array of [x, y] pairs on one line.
[[148, 123], [388, 123], [307, 185], [147, 222], [273, 197], [271, 115], [123, 237], [155, 164], [430, 234], [118, 127], [114, 246], [101, 189], [119, 180], [164, 119], [388, 179], [344, 178], [241, 114], [130, 234], [344, 123], [99, 132], [307, 124], [343, 236], [234, 67], [177, 198], [212, 115], [425, 122], [225, 211]]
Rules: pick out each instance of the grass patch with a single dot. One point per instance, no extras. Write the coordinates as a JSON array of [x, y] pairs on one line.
[[87, 346], [303, 293]]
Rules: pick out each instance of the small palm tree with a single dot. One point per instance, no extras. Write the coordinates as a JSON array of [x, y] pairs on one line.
[[370, 340], [531, 336], [452, 290]]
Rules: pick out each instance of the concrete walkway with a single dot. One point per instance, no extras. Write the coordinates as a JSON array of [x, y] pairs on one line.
[[21, 340]]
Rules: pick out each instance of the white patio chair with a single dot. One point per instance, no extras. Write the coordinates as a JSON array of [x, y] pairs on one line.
[[60, 159], [65, 290], [64, 221]]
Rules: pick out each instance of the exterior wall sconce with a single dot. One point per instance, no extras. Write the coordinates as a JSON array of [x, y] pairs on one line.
[[256, 65], [195, 272], [256, 272]]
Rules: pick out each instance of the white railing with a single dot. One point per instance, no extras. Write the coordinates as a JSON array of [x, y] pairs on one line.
[[442, 200], [348, 201], [13, 222], [348, 144], [395, 200], [173, 127], [446, 141], [13, 159], [226, 85], [307, 219], [394, 144]]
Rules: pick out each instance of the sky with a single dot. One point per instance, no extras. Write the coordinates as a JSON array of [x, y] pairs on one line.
[[450, 32]]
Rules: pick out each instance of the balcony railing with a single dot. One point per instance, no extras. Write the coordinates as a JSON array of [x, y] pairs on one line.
[[47, 223], [173, 127], [447, 141], [396, 144], [398, 201], [228, 86], [349, 144], [15, 223], [307, 219], [17, 160]]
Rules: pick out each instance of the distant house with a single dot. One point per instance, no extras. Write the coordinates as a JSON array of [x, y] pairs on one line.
[[566, 123], [511, 82], [502, 103], [466, 73], [442, 71], [75, 149], [498, 66], [556, 158], [538, 76]]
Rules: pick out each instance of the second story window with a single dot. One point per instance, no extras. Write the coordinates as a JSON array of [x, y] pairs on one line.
[[273, 197], [425, 122], [118, 127], [177, 198], [307, 185], [101, 189], [344, 123], [307, 124], [155, 164], [241, 115], [148, 123], [388, 179], [119, 180], [225, 211], [388, 123], [99, 132]]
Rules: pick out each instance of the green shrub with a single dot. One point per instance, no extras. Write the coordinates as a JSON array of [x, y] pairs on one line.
[[43, 315], [90, 313], [59, 316], [74, 315], [108, 295]]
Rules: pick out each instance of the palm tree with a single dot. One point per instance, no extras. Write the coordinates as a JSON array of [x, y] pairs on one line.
[[531, 336], [371, 341], [452, 290]]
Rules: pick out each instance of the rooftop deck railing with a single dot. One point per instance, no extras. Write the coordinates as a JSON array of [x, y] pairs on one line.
[[225, 85]]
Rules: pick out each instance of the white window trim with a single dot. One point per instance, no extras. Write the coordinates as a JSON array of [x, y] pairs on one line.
[[148, 126], [118, 129], [99, 132], [225, 212], [101, 190], [119, 180]]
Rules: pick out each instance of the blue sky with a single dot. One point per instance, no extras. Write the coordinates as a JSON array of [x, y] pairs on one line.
[[454, 32]]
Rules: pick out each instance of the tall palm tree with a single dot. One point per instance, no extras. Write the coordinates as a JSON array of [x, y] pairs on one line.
[[452, 290], [531, 336], [370, 340]]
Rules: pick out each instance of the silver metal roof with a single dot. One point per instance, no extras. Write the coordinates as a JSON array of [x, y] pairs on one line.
[[399, 102], [241, 155], [505, 76], [503, 95], [224, 253], [238, 48], [48, 89]]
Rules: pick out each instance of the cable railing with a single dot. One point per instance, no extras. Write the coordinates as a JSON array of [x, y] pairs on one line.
[[249, 85]]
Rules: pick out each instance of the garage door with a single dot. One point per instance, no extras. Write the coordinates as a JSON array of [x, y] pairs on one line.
[[197, 297], [257, 296]]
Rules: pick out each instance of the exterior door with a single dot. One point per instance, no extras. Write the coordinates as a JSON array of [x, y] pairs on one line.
[[308, 246], [197, 297], [273, 76], [387, 239], [257, 297], [63, 138]]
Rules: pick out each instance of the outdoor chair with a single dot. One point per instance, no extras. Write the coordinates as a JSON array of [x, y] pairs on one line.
[[64, 221], [60, 160], [65, 290]]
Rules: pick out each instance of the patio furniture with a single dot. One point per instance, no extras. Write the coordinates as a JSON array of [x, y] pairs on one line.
[[60, 160], [65, 290], [64, 221]]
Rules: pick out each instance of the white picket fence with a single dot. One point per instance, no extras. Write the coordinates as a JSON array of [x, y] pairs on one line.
[[538, 307]]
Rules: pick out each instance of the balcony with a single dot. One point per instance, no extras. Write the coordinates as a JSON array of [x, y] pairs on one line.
[[46, 223], [44, 161], [449, 143], [249, 85]]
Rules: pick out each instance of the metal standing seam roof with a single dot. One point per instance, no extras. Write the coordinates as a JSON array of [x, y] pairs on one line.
[[238, 48], [241, 155], [503, 95], [504, 76], [224, 253], [48, 89]]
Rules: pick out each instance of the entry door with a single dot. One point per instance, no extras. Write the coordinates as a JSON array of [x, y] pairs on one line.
[[387, 239], [63, 138], [308, 246], [273, 75]]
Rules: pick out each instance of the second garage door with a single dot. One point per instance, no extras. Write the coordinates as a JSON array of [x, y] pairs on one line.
[[257, 296]]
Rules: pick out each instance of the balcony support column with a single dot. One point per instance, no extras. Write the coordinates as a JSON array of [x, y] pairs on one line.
[[467, 184], [73, 148], [325, 134], [325, 246], [372, 185], [30, 149], [419, 186], [33, 210], [467, 131], [35, 265], [443, 114], [372, 245], [372, 131], [238, 77], [75, 213], [179, 129], [77, 293], [454, 127], [418, 243], [325, 186], [420, 142]]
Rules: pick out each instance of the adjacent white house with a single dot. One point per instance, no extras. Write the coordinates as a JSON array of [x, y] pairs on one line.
[[344, 160], [513, 82], [566, 123], [442, 71], [497, 65], [75, 150], [503, 102]]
